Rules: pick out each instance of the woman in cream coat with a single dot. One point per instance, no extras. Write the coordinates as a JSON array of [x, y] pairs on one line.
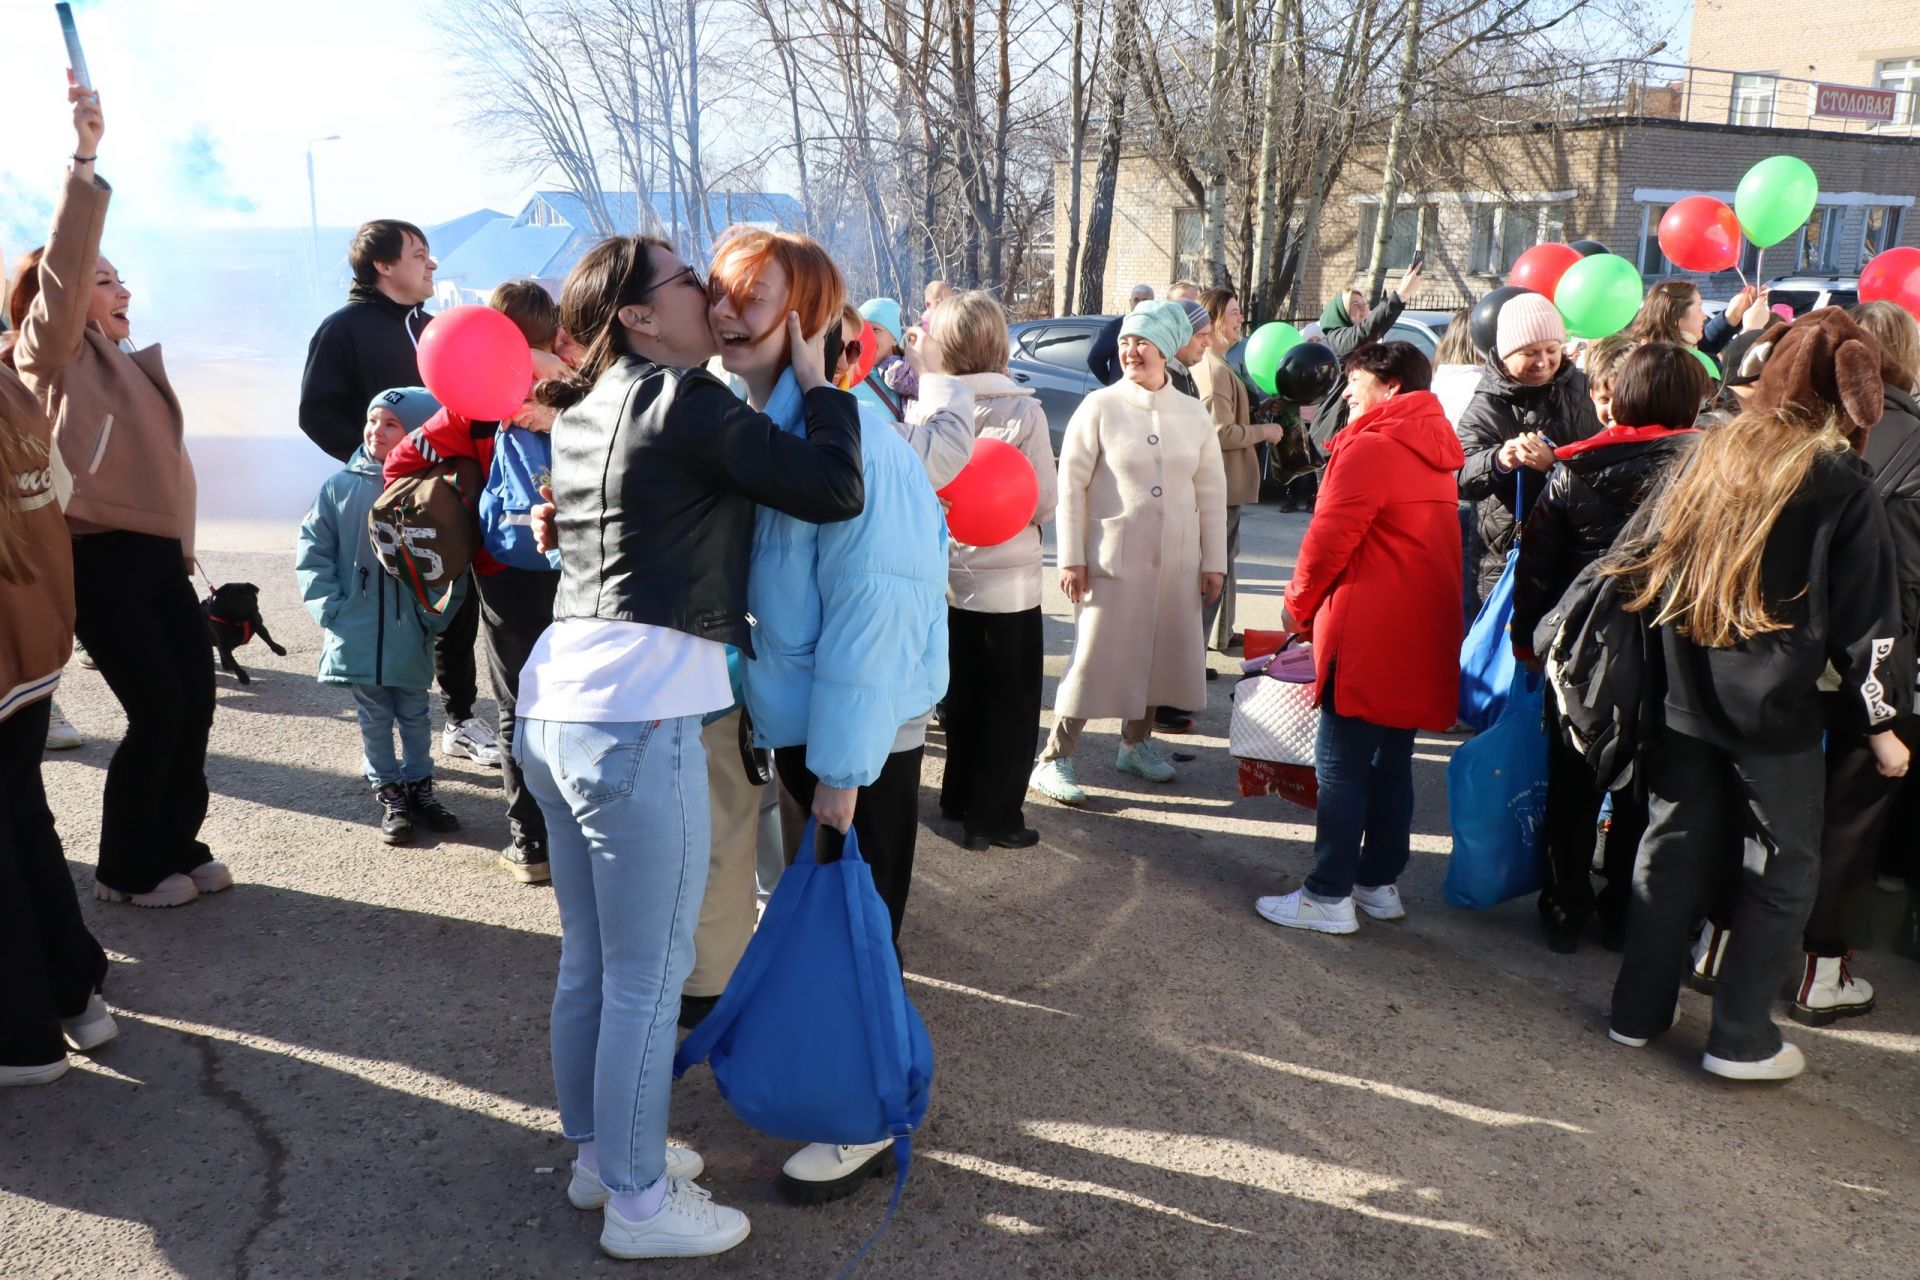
[[1142, 534]]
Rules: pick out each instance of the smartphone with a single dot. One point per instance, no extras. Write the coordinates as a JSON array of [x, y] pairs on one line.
[[1419, 261], [76, 58]]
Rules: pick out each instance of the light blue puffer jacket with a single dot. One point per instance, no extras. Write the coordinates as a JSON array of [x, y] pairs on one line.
[[375, 632], [850, 618]]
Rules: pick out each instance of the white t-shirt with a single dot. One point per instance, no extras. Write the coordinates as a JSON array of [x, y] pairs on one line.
[[594, 670]]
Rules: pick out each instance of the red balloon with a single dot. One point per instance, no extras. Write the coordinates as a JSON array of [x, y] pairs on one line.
[[477, 363], [994, 496], [1700, 234], [1893, 276], [1541, 267]]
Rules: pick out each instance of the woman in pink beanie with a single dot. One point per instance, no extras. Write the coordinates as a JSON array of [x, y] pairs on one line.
[[1530, 400]]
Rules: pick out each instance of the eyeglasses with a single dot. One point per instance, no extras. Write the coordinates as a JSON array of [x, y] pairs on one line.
[[691, 275]]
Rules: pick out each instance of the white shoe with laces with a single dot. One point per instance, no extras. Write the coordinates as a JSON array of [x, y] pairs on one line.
[[824, 1171], [1143, 760], [1381, 902], [586, 1191], [1297, 911], [1784, 1065], [688, 1224], [472, 738], [1056, 780], [1828, 991], [61, 735]]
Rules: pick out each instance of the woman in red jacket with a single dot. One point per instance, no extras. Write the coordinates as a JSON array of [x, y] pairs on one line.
[[1377, 588]]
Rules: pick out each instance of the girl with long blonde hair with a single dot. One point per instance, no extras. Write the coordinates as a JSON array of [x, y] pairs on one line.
[[1764, 560]]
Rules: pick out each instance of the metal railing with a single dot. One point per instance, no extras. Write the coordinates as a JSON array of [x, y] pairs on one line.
[[1630, 89]]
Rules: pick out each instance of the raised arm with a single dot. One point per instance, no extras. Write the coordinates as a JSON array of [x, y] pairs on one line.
[[817, 478]]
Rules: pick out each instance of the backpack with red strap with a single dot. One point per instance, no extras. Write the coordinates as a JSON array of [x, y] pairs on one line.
[[424, 526]]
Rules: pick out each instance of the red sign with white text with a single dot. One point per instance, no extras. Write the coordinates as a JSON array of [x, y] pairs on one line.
[[1850, 102]]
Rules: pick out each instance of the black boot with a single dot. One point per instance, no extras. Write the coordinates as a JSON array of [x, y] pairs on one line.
[[429, 810], [396, 823]]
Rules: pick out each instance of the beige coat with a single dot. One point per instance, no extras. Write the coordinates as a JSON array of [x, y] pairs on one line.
[[1006, 578], [1143, 507], [115, 418], [1227, 399]]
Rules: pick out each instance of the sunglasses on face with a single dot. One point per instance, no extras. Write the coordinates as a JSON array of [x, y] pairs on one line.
[[687, 273]]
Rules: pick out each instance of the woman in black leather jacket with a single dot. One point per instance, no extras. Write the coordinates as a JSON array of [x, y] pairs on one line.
[[1649, 397]]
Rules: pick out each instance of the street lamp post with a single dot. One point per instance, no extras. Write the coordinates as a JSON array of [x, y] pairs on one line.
[[313, 206]]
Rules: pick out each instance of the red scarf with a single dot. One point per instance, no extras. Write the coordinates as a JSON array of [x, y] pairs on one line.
[[1617, 435]]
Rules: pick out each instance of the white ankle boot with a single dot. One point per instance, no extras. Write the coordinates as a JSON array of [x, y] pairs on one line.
[[1709, 949], [1829, 991]]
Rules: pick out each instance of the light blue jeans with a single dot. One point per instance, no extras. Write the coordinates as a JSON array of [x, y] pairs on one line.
[[628, 835], [382, 710]]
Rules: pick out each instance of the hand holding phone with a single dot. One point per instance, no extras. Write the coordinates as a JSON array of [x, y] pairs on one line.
[[76, 57]]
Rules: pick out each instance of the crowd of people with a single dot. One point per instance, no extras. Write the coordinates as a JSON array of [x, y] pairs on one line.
[[749, 613]]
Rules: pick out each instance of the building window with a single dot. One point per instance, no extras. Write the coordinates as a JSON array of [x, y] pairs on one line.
[[1753, 96], [1502, 232], [1881, 232], [1405, 238], [1820, 242], [1189, 244], [1652, 261], [1902, 75]]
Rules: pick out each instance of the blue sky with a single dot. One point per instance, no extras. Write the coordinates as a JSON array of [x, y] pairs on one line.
[[210, 104]]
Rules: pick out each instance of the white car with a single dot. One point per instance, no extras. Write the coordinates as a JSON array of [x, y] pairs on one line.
[[1806, 293]]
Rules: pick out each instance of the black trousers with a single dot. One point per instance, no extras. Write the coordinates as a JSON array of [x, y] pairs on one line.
[[453, 665], [886, 819], [1701, 799], [1859, 813], [52, 963], [996, 664], [137, 615], [1573, 810], [516, 606]]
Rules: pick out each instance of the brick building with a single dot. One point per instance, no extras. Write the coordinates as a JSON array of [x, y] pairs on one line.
[[1601, 157]]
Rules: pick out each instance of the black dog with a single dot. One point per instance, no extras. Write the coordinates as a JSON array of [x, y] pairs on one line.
[[233, 618]]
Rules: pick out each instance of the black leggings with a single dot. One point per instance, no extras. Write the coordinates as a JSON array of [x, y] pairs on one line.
[[998, 663], [516, 607], [886, 818], [138, 617], [52, 963]]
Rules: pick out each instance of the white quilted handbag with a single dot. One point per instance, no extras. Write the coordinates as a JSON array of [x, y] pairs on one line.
[[1273, 720]]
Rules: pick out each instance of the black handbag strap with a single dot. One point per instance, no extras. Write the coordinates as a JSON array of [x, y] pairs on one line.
[[1896, 467]]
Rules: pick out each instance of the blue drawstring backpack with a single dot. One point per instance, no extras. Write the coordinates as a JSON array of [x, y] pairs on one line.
[[1486, 655], [1497, 803], [814, 1039], [522, 462]]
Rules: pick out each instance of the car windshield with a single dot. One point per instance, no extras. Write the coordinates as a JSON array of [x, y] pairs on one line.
[[1418, 337]]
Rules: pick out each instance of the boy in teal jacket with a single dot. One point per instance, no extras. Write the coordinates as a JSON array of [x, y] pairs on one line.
[[378, 640]]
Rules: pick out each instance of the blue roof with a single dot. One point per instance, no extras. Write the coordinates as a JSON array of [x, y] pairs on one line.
[[505, 250], [445, 237]]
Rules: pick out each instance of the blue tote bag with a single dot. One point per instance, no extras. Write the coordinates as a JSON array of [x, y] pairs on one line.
[[1486, 655], [522, 462], [814, 1039], [1497, 803]]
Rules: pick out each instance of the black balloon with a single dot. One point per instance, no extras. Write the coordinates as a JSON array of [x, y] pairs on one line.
[[1307, 373], [1588, 248], [1484, 322]]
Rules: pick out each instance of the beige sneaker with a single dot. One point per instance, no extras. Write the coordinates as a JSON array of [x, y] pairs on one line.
[[175, 891]]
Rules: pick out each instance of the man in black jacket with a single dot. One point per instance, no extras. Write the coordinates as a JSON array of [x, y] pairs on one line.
[[366, 347], [1103, 358]]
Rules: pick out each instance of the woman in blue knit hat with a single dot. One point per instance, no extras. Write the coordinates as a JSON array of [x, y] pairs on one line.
[[1142, 529]]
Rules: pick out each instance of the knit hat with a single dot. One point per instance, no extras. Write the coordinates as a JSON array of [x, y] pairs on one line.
[[1164, 324], [412, 405], [1824, 363], [1525, 320], [1197, 315], [882, 313], [1742, 359]]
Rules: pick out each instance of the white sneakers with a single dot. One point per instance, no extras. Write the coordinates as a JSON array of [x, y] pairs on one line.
[[46, 1073], [1143, 760], [1828, 991], [175, 891], [471, 738], [1784, 1065], [93, 1028], [1709, 949], [61, 735], [688, 1224], [1297, 911], [1055, 779], [586, 1191], [1381, 902], [824, 1171], [211, 877]]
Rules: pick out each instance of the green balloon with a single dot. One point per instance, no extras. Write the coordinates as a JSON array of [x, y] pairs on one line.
[[1265, 348], [1599, 296], [1713, 370], [1775, 199]]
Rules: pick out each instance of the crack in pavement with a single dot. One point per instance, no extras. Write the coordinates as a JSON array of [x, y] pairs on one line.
[[270, 1145]]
